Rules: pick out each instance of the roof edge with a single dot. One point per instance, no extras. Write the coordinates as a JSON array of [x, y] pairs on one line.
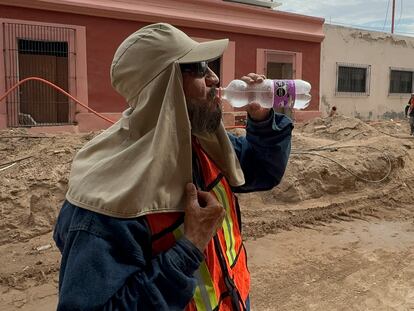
[[212, 15]]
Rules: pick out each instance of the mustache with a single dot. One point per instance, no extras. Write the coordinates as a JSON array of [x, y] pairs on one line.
[[212, 93]]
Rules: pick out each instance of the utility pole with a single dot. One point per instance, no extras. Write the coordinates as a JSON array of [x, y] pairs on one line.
[[393, 16]]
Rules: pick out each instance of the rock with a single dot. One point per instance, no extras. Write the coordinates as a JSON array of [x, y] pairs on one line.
[[43, 247]]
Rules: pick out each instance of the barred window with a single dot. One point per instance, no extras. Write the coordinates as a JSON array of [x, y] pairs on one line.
[[47, 51], [352, 79], [401, 81]]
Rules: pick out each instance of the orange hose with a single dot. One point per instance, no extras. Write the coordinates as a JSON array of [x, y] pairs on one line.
[[59, 89]]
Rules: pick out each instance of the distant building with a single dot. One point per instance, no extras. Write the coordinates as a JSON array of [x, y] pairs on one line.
[[71, 43], [366, 74]]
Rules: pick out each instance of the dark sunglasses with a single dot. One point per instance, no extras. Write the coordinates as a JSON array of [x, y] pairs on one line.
[[199, 70]]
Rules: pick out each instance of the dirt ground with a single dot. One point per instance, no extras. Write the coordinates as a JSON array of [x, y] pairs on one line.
[[336, 234]]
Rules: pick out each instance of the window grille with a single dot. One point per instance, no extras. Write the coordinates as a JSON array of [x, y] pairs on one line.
[[352, 79], [401, 81], [43, 51]]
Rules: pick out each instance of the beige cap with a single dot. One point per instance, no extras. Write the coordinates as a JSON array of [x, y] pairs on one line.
[[205, 51], [150, 50]]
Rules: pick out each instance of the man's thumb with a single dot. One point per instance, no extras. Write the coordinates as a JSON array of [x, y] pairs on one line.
[[191, 193]]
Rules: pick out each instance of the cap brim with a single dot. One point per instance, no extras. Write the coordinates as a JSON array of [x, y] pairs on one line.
[[205, 51]]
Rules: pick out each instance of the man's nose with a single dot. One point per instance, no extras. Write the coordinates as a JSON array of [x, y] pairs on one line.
[[211, 78]]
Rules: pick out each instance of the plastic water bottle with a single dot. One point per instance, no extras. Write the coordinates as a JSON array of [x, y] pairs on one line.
[[285, 94]]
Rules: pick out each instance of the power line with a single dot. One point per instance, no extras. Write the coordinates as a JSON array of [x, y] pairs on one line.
[[393, 17], [363, 27], [401, 10], [386, 15]]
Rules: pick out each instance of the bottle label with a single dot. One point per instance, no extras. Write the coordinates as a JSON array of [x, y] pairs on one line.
[[284, 93]]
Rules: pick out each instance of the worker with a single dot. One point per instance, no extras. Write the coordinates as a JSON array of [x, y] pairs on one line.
[[409, 113], [150, 220]]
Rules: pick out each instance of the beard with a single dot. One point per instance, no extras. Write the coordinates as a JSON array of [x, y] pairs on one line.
[[205, 115]]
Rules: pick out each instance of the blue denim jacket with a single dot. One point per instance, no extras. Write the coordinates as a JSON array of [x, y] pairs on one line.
[[106, 261]]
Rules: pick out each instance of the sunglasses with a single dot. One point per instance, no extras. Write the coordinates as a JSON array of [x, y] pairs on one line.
[[199, 70]]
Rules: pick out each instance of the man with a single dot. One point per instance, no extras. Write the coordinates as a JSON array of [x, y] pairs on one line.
[[409, 113], [151, 221]]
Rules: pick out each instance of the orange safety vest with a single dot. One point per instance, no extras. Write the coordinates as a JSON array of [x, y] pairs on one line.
[[223, 280]]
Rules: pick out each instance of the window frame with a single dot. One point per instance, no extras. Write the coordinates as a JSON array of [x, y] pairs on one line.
[[367, 79], [78, 87], [263, 56], [389, 80]]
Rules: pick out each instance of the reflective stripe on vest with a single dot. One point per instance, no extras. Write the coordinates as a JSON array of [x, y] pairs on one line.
[[205, 296], [221, 195], [217, 184]]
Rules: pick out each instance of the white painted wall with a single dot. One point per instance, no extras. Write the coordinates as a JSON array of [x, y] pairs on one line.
[[379, 50]]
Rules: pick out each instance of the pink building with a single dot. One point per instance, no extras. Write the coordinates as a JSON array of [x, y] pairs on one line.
[[71, 43]]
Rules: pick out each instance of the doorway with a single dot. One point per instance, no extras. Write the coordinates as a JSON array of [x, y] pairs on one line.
[[39, 103]]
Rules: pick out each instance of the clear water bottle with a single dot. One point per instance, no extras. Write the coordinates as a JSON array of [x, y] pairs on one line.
[[278, 94]]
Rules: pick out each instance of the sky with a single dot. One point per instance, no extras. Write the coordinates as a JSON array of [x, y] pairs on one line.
[[366, 14]]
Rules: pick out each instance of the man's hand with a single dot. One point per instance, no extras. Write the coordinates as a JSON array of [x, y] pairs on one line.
[[203, 216], [255, 111]]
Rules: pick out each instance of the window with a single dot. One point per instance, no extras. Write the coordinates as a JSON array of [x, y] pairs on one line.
[[279, 70], [46, 51], [401, 81], [278, 64], [353, 79], [37, 101], [40, 49]]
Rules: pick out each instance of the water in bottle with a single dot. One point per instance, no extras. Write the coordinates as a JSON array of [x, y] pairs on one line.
[[285, 94]]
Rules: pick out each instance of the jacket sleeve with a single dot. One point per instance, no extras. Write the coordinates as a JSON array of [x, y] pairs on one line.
[[264, 152], [98, 273]]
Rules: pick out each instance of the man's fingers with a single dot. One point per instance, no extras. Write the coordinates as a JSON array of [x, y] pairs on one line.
[[220, 222], [191, 195], [247, 79], [196, 198], [206, 198], [253, 78], [256, 77]]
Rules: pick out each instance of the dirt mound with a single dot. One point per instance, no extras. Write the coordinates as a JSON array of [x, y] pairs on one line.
[[339, 168], [338, 128], [34, 173], [332, 171], [331, 156], [400, 128]]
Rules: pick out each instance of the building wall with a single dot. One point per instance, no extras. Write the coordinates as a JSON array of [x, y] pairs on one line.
[[248, 46], [380, 51], [102, 39], [103, 35]]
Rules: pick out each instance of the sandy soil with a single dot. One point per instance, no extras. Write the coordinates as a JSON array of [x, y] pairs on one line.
[[336, 234]]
